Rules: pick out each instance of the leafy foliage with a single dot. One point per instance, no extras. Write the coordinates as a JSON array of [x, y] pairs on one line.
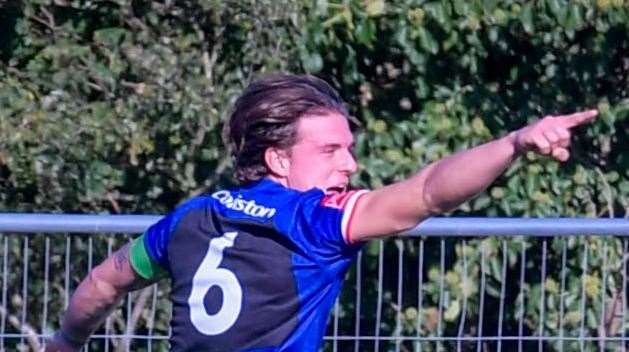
[[117, 106]]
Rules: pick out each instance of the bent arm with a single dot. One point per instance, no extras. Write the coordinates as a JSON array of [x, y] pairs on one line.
[[95, 297], [444, 184]]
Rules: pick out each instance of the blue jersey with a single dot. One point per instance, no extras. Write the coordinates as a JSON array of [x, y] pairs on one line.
[[256, 268]]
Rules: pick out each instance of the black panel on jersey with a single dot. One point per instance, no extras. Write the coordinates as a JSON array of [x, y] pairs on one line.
[[261, 260]]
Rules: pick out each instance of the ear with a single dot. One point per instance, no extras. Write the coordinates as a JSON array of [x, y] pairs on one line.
[[277, 161]]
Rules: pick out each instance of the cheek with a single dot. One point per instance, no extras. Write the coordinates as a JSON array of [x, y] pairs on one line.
[[311, 167]]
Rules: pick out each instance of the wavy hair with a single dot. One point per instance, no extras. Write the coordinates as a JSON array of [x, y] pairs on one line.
[[266, 115]]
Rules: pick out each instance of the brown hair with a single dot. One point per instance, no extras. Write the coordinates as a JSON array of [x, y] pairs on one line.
[[266, 115]]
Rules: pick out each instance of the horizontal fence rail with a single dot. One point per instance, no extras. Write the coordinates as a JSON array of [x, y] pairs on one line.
[[455, 284], [451, 227]]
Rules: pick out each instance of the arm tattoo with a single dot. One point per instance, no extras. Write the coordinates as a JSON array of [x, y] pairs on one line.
[[121, 257]]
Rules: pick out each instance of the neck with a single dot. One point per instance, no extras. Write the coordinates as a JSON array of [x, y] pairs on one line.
[[281, 180]]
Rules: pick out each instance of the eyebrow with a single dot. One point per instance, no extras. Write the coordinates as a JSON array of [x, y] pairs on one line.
[[336, 145]]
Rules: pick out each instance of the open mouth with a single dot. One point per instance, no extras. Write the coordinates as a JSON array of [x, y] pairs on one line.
[[335, 190]]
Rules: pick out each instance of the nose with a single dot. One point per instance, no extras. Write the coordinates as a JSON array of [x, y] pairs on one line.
[[348, 162]]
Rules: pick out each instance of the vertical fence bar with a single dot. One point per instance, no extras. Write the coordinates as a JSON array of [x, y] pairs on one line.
[[66, 294], [503, 279], [464, 282], [400, 308], [129, 329], [379, 303], [5, 308], [521, 294], [562, 292], [24, 290], [482, 298], [420, 289], [542, 303], [584, 267], [90, 265], [108, 320], [90, 253], [151, 322], [624, 295], [442, 274], [44, 320], [602, 325], [359, 274]]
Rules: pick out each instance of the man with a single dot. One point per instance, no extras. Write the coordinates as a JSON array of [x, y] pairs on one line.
[[258, 268]]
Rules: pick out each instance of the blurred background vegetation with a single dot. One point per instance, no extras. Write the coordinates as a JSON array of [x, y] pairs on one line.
[[117, 107]]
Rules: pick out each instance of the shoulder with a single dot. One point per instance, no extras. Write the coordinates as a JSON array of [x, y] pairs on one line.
[[196, 204], [341, 201], [329, 216], [316, 200]]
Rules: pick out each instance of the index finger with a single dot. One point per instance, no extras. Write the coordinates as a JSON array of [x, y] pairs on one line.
[[579, 118]]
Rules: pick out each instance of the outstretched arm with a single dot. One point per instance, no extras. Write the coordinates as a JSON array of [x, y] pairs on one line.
[[444, 184], [96, 296]]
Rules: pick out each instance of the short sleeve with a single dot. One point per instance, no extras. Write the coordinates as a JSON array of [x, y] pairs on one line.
[[142, 263], [346, 204], [156, 238], [323, 223]]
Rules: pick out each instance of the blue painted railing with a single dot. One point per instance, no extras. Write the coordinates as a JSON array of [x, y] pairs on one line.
[[439, 226]]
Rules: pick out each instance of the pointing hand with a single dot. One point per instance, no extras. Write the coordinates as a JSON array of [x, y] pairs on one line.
[[551, 134]]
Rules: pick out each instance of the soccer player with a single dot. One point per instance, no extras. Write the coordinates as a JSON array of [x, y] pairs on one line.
[[258, 267]]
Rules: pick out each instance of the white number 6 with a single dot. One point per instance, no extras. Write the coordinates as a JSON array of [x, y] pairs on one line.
[[208, 275]]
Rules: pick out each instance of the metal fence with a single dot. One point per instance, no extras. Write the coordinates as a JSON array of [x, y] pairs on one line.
[[451, 284]]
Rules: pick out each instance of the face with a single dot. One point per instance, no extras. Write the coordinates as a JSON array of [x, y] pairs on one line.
[[322, 156]]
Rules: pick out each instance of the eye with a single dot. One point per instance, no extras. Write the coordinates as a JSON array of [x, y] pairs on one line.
[[329, 150], [352, 151]]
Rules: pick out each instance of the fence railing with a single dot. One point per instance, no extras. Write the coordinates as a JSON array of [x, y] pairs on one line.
[[451, 227], [463, 284]]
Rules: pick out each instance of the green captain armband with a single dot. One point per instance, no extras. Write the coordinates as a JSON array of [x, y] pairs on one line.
[[142, 263]]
